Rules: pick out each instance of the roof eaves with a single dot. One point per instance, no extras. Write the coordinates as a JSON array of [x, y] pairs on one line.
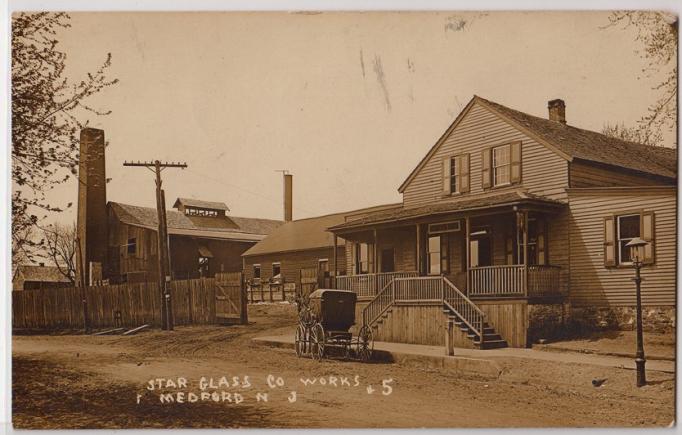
[[438, 143], [523, 129]]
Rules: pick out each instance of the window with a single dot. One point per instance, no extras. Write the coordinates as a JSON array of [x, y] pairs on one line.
[[191, 211], [619, 230], [438, 254], [361, 258], [445, 227], [501, 165], [454, 173], [256, 271], [276, 269], [132, 246], [323, 267], [628, 229]]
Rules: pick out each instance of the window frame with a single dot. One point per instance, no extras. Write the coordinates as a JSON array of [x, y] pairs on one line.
[[358, 258], [278, 264], [619, 240], [494, 166], [254, 268], [131, 246]]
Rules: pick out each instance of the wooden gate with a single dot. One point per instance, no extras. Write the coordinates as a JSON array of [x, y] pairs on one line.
[[230, 298], [309, 281]]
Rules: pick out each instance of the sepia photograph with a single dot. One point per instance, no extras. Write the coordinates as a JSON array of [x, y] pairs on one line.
[[342, 219]]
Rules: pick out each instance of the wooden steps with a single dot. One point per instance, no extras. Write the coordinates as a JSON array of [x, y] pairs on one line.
[[491, 339]]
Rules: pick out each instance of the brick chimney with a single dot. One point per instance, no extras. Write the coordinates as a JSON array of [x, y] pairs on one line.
[[92, 201], [288, 197], [557, 110]]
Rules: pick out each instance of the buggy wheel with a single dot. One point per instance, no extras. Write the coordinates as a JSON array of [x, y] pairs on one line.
[[317, 342], [300, 341], [365, 343]]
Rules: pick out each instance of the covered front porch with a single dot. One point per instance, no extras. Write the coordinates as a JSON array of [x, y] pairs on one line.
[[498, 251]]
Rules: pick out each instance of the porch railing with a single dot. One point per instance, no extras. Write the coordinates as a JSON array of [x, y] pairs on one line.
[[544, 280], [506, 280], [369, 285], [426, 289], [510, 280]]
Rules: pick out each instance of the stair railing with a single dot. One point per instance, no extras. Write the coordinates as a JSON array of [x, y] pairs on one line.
[[378, 306], [467, 311]]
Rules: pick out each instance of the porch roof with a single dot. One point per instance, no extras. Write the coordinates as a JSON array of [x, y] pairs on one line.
[[502, 200]]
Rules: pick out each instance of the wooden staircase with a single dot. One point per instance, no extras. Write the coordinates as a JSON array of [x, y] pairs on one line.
[[464, 314]]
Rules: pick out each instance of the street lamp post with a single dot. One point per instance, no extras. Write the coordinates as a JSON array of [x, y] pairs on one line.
[[636, 246]]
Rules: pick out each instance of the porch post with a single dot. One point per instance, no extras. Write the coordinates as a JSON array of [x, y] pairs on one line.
[[419, 251], [336, 262], [467, 232], [525, 252], [376, 261]]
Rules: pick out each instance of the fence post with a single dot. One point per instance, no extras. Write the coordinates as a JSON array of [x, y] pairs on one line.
[[243, 300]]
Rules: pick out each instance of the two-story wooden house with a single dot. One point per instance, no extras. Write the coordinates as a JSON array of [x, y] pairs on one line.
[[508, 225]]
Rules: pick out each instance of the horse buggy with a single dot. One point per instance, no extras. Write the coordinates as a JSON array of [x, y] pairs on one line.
[[325, 320]]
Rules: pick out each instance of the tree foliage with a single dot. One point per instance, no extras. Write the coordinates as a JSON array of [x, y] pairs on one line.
[[48, 110], [656, 32], [633, 134], [60, 247]]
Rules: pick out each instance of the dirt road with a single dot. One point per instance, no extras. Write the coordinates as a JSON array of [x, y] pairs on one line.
[[97, 382]]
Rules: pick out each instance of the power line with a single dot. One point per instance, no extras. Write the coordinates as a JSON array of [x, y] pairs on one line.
[[163, 246]]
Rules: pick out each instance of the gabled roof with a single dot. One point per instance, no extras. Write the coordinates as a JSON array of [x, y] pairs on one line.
[[572, 143], [41, 273], [189, 202], [310, 233], [228, 228], [464, 205]]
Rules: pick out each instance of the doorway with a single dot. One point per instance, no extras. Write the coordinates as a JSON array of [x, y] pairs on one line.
[[387, 260], [480, 248]]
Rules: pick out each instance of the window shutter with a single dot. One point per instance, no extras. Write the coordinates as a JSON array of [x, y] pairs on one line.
[[370, 258], [515, 176], [609, 241], [486, 168], [446, 176], [463, 182], [647, 224]]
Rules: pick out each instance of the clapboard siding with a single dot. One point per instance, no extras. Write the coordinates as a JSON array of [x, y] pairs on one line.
[[589, 175], [292, 262], [543, 171], [593, 284], [558, 246]]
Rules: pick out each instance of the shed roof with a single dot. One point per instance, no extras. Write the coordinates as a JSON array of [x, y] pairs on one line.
[[199, 203], [41, 273], [462, 205], [574, 143], [228, 228], [310, 233]]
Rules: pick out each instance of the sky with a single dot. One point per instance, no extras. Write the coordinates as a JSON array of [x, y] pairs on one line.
[[347, 102]]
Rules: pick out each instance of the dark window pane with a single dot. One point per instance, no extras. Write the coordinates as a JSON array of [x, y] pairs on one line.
[[628, 226]]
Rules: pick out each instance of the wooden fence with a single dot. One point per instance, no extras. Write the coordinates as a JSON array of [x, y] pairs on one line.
[[125, 305]]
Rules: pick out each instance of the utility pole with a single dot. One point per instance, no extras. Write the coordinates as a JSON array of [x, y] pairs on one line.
[[84, 301], [163, 249]]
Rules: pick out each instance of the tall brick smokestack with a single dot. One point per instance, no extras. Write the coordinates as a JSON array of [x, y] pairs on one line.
[[92, 203], [288, 197]]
